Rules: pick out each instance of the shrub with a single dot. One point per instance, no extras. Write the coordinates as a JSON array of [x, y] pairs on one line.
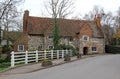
[[67, 57], [112, 49], [68, 47], [6, 48], [46, 62], [4, 58], [4, 65], [78, 55]]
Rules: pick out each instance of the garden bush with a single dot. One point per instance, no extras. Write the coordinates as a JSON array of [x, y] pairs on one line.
[[6, 48], [4, 58], [67, 47], [4, 65], [4, 62], [78, 55], [112, 49], [46, 62], [67, 57]]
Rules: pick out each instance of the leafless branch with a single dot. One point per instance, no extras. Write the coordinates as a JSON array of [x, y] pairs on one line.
[[59, 8]]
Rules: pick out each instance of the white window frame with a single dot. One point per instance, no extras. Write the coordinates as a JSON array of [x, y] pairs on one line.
[[94, 50], [19, 47], [84, 37]]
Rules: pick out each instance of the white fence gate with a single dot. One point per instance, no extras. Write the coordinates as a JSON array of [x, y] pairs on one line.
[[36, 56]]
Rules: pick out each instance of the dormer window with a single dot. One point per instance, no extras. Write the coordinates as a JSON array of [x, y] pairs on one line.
[[85, 37]]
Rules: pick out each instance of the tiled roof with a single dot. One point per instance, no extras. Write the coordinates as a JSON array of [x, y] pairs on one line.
[[67, 27], [96, 30], [11, 35]]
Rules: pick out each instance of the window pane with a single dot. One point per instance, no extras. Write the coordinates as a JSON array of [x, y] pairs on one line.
[[94, 49], [40, 47], [50, 47], [71, 39], [20, 47], [85, 37], [50, 36], [94, 39]]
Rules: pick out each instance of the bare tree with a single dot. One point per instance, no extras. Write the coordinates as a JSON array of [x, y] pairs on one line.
[[58, 9], [78, 16], [106, 21], [8, 6], [8, 13], [97, 10], [87, 17], [116, 36], [117, 19]]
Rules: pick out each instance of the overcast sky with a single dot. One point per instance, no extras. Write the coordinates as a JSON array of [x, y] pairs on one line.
[[36, 7]]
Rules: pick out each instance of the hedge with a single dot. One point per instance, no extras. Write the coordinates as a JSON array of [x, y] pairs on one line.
[[112, 49]]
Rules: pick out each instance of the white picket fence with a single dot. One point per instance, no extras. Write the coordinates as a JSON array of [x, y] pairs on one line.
[[36, 56]]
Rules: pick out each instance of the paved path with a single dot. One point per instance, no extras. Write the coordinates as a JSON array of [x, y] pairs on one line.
[[33, 67], [99, 67]]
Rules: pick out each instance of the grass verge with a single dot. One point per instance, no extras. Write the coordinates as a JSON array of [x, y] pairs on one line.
[[4, 65]]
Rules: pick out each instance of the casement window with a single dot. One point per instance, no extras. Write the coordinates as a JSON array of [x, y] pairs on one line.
[[20, 47], [85, 37], [40, 47], [50, 36], [94, 40], [50, 47], [71, 39], [94, 49]]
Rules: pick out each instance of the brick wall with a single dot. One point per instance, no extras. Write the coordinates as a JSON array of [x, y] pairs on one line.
[[23, 40], [86, 30]]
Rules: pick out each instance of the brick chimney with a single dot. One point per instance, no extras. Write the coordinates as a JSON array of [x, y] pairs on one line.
[[25, 21], [95, 17], [98, 19]]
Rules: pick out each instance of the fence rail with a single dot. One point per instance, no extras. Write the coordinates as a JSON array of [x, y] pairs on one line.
[[36, 56]]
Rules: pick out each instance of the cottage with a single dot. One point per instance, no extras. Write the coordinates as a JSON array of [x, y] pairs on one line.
[[87, 36], [9, 37]]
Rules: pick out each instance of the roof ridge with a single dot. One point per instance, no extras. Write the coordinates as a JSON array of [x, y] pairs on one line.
[[62, 19]]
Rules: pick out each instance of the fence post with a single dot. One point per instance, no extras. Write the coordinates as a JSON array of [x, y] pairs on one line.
[[51, 54], [66, 51], [26, 57], [44, 54], [12, 59], [36, 55], [62, 53], [57, 54], [71, 53]]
